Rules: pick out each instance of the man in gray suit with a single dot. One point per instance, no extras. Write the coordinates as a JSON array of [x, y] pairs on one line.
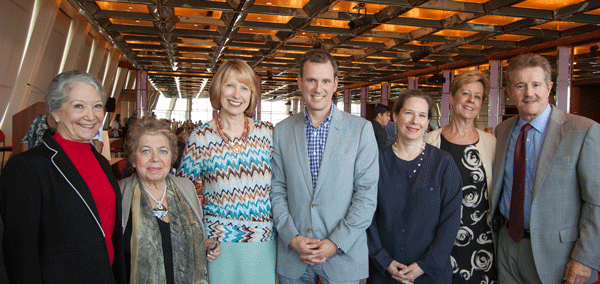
[[324, 186], [546, 194]]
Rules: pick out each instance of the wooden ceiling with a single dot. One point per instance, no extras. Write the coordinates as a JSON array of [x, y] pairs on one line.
[[182, 42]]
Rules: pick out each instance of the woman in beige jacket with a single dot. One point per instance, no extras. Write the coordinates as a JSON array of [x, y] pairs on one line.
[[473, 152]]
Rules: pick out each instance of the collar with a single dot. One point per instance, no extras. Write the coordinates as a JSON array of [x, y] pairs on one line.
[[327, 120], [539, 123]]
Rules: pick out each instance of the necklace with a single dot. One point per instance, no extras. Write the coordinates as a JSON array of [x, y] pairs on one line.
[[159, 211], [420, 156], [236, 147]]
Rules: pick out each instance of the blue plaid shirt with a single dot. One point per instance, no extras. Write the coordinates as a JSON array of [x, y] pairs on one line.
[[315, 142]]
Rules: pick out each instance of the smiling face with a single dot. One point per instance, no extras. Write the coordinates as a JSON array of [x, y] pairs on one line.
[[412, 120], [317, 84], [81, 115], [153, 158], [466, 102], [530, 92], [235, 96]]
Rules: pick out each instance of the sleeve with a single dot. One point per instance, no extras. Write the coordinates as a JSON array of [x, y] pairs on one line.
[[30, 135], [380, 256], [364, 199], [587, 247], [286, 229], [437, 255], [20, 206], [191, 166]]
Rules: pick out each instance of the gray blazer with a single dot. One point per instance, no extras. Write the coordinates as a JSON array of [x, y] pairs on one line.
[[342, 204], [565, 211]]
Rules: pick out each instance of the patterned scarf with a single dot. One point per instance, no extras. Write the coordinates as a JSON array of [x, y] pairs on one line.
[[187, 240]]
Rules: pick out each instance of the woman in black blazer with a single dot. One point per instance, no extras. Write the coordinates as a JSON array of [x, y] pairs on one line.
[[60, 203]]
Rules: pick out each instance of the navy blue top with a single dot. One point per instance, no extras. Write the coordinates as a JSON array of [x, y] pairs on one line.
[[417, 216]]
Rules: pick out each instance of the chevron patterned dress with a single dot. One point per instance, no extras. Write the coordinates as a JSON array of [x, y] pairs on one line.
[[235, 187]]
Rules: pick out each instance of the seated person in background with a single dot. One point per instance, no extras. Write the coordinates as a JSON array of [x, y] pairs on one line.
[[36, 131]]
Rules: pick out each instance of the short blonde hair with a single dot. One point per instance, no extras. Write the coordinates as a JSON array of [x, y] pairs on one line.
[[152, 126], [468, 77], [243, 73]]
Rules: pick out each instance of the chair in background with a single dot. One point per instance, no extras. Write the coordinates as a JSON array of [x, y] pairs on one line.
[[3, 148], [116, 147]]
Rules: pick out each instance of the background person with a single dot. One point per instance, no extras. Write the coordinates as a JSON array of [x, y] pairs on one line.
[[473, 153], [231, 155], [60, 202], [418, 202], [164, 235], [116, 126], [35, 134], [382, 117]]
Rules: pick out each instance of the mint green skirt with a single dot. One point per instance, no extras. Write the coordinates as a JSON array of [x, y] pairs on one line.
[[248, 263]]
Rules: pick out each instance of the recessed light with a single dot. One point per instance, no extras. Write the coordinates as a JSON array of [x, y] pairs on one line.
[[269, 3], [130, 8]]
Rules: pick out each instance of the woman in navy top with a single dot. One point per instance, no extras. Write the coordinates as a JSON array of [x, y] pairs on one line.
[[418, 203]]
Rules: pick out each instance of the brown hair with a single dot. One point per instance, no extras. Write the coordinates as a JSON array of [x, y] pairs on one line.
[[404, 96], [152, 126], [243, 73], [529, 60], [318, 56], [468, 77]]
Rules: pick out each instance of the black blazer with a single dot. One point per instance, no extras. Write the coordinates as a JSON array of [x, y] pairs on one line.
[[52, 231]]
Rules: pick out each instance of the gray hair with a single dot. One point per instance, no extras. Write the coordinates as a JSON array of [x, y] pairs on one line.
[[60, 87]]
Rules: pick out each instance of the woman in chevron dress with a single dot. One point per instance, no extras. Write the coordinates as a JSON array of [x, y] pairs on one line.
[[231, 156]]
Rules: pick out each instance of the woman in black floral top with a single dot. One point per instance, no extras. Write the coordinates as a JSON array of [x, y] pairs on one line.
[[473, 151]]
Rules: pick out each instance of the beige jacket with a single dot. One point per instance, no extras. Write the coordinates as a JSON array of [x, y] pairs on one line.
[[486, 147]]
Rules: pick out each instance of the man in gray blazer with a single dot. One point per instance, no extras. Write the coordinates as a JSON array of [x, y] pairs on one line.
[[546, 196], [324, 186]]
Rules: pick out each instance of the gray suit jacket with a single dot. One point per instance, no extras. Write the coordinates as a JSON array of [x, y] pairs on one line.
[[565, 211], [341, 206]]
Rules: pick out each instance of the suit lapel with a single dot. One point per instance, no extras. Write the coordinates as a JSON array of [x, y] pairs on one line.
[[554, 134], [302, 151], [333, 136]]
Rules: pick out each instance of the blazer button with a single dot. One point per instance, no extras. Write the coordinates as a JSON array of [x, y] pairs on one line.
[[314, 205], [309, 230]]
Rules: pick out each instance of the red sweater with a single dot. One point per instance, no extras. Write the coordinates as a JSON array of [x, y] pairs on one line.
[[104, 195]]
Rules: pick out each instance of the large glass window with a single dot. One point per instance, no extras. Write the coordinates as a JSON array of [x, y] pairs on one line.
[[162, 107], [274, 111], [201, 110]]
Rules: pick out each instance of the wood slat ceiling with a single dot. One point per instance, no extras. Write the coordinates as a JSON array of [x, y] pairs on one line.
[[182, 42]]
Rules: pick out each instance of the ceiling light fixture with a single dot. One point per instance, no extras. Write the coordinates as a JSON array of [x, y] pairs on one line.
[[363, 22]]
